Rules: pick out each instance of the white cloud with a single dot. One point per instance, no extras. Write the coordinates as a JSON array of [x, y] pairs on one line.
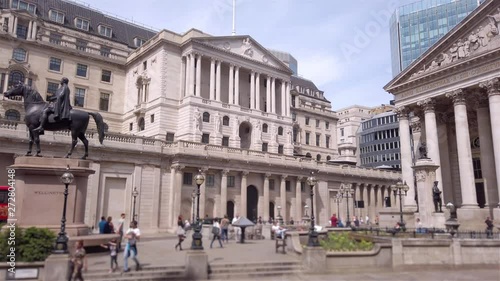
[[320, 68]]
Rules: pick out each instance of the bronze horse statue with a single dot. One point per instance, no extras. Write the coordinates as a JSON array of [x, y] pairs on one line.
[[34, 106]]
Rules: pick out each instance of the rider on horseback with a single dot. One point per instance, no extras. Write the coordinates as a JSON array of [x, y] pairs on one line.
[[60, 106]]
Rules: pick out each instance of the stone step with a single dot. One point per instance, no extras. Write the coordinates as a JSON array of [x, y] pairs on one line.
[[255, 274], [255, 264], [249, 269], [146, 268], [159, 273]]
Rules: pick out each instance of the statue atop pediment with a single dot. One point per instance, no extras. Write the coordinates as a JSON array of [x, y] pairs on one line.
[[247, 47]]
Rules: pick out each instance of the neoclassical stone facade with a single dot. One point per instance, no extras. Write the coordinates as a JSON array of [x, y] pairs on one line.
[[176, 105], [452, 97]]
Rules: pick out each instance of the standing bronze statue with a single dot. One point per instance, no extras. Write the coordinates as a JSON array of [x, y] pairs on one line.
[[436, 196], [59, 116]]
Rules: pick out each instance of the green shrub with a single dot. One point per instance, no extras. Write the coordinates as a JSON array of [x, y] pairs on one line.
[[342, 242], [31, 244]]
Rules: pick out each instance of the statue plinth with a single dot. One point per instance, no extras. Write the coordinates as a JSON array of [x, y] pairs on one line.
[[425, 172], [40, 193]]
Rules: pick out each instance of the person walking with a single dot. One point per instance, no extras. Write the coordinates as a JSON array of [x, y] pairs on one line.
[[237, 230], [133, 235], [216, 231], [112, 246], [489, 227], [224, 224], [109, 227], [181, 233], [102, 225], [78, 262]]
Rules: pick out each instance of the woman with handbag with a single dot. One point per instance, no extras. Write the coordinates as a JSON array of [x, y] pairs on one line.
[[181, 233], [216, 232]]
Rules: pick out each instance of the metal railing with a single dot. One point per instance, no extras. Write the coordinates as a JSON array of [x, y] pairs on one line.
[[432, 232]]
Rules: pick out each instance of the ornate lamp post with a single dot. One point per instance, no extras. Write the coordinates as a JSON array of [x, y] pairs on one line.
[[135, 193], [197, 243], [61, 246], [280, 218], [346, 192], [193, 198], [399, 189], [305, 208], [313, 235], [337, 199]]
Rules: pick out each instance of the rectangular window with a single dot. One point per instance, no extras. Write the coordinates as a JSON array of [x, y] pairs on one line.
[[170, 137], [55, 38], [81, 45], [55, 64], [187, 179], [264, 146], [152, 118], [130, 126], [327, 141], [79, 97], [327, 125], [105, 51], [307, 138], [51, 88], [210, 180], [302, 186], [139, 42], [81, 70], [307, 120], [106, 76], [225, 141], [105, 31], [317, 123], [230, 181], [82, 24], [104, 102], [144, 65], [56, 16], [271, 184], [341, 132], [205, 138], [318, 137], [280, 149], [21, 5], [22, 31], [476, 164], [288, 186]]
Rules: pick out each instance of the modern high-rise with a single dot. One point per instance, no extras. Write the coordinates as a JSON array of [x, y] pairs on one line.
[[286, 58], [417, 26]]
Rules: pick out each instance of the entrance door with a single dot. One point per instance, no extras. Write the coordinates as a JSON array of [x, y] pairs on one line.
[[252, 201], [271, 210], [481, 197], [230, 210]]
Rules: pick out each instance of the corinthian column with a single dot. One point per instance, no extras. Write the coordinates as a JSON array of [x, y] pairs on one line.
[[493, 88], [257, 91], [198, 75], [283, 197], [273, 95], [266, 196], [298, 200], [191, 73], [212, 79], [252, 90], [218, 85], [467, 184], [243, 208], [237, 86], [231, 84], [283, 98], [268, 94], [223, 193], [406, 159]]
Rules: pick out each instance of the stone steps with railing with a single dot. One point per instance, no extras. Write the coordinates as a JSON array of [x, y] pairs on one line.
[[235, 271], [147, 273]]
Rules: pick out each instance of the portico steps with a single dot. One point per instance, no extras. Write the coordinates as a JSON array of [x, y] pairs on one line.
[[146, 274], [235, 271]]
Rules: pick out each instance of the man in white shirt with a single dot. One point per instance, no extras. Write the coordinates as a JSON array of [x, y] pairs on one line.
[[279, 232], [133, 235], [237, 230], [119, 230]]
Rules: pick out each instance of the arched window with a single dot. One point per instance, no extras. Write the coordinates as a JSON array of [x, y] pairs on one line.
[[206, 117], [328, 158], [12, 115], [318, 157], [280, 131], [308, 155], [264, 128], [140, 124], [225, 121], [15, 77], [106, 127], [19, 55]]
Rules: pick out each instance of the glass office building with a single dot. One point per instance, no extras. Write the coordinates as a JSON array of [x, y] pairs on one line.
[[417, 26]]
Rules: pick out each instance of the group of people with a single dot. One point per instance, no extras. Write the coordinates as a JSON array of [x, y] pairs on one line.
[[337, 222]]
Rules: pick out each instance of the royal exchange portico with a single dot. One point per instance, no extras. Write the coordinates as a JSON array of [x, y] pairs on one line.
[[452, 93]]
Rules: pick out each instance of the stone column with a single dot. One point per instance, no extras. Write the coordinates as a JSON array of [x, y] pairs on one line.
[[198, 75], [257, 91], [28, 36], [268, 94], [212, 79], [155, 219], [14, 26], [223, 192], [273, 95], [266, 196], [175, 187], [283, 99], [406, 158], [493, 88], [34, 30], [191, 74], [231, 84], [425, 172], [203, 195], [283, 197], [298, 200], [364, 211], [183, 77], [218, 85], [372, 205], [252, 90], [237, 86], [486, 147], [243, 205], [288, 99], [6, 83], [431, 138], [187, 86], [467, 183]]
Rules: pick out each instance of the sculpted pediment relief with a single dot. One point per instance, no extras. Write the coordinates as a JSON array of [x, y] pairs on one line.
[[483, 38], [246, 47]]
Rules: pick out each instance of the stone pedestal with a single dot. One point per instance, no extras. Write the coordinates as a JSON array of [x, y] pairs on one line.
[[472, 219], [196, 265], [40, 193], [438, 220], [56, 267], [425, 172], [314, 260]]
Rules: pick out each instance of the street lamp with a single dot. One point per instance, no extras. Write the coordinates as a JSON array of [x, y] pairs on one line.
[[61, 246], [346, 192], [193, 198], [305, 208], [197, 243], [280, 218], [398, 189], [337, 199], [313, 235], [135, 193]]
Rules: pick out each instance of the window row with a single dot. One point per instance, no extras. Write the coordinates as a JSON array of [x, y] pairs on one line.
[[318, 139], [380, 158], [374, 122], [380, 147], [318, 157], [82, 70], [141, 124], [318, 122], [80, 95], [380, 135]]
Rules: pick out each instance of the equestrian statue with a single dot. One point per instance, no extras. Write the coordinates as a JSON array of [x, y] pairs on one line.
[[57, 115]]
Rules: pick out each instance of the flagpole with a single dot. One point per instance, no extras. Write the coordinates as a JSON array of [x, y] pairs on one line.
[[234, 17]]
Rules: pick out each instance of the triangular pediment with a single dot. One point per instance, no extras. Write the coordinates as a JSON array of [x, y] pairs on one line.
[[476, 35], [245, 46]]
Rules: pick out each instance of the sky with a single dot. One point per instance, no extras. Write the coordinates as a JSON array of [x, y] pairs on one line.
[[342, 46]]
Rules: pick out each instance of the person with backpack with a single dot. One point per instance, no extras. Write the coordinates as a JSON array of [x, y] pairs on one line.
[[216, 231], [133, 234]]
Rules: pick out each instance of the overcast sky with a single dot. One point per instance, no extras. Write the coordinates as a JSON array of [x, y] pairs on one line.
[[342, 46]]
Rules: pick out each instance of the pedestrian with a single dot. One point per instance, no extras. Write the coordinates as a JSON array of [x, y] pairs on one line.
[[237, 230], [181, 233], [216, 231], [489, 227], [133, 235], [109, 227], [224, 224], [367, 220], [113, 252], [334, 220], [78, 262], [419, 226], [119, 231], [102, 225]]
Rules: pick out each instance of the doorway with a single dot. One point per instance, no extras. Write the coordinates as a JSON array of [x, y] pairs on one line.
[[271, 210], [230, 210], [252, 201]]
